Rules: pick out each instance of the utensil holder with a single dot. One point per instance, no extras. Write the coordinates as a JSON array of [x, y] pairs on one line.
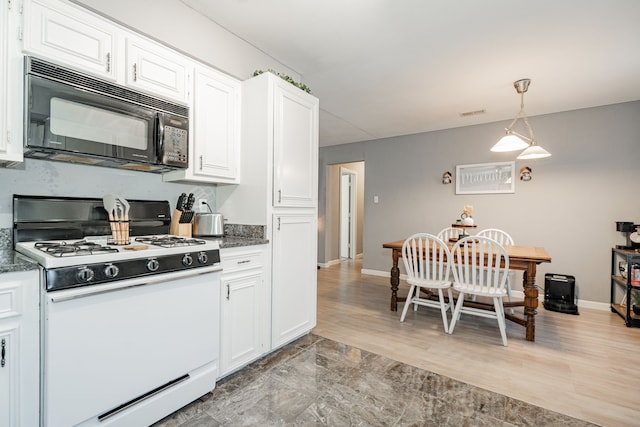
[[119, 232], [177, 228]]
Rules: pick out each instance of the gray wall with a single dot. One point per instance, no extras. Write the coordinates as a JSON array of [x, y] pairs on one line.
[[569, 207]]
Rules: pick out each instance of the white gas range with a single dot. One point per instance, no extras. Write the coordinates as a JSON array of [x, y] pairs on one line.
[[129, 333], [91, 261]]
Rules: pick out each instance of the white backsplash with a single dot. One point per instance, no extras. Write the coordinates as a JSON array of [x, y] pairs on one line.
[[48, 178]]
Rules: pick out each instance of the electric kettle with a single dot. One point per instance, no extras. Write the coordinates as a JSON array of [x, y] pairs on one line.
[[207, 224]]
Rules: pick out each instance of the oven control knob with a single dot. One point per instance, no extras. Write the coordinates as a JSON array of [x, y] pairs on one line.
[[111, 271], [153, 264], [187, 260], [84, 274], [202, 258]]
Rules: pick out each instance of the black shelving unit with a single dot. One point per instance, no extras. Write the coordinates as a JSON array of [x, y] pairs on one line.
[[621, 286]]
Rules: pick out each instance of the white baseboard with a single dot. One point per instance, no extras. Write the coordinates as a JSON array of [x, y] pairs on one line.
[[329, 263], [336, 261], [517, 294], [379, 273]]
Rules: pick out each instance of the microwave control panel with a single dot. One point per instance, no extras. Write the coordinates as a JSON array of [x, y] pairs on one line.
[[175, 147]]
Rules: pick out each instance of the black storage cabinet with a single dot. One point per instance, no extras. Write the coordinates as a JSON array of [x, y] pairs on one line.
[[560, 293]]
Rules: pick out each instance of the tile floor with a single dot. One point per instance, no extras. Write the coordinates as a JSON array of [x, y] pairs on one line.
[[319, 382]]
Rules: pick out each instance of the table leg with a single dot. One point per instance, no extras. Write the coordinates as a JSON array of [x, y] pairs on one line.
[[530, 301], [395, 280]]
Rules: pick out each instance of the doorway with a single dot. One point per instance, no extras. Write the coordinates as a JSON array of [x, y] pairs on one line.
[[348, 212]]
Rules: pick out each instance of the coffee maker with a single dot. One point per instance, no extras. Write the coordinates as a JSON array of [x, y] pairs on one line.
[[631, 231]]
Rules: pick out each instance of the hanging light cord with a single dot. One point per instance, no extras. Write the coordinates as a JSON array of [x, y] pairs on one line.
[[521, 115]]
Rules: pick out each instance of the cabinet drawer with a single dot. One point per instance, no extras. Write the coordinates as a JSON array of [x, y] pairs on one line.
[[10, 299], [236, 261]]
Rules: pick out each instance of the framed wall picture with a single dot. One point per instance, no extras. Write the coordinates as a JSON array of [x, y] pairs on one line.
[[485, 178]]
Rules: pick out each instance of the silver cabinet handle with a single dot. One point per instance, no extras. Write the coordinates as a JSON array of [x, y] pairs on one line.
[[108, 62], [228, 291], [201, 161], [279, 196], [135, 72], [278, 223], [3, 353], [243, 261]]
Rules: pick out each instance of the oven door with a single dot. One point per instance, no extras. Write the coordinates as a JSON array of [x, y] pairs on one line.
[[65, 118], [134, 350]]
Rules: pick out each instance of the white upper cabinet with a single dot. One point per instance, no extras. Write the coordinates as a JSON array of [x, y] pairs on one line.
[[74, 37], [71, 36], [157, 69], [217, 125], [11, 84], [215, 138], [295, 146]]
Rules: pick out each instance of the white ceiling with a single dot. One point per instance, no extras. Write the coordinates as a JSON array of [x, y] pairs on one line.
[[383, 68]]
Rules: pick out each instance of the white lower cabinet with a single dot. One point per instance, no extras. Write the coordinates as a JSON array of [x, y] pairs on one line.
[[244, 307], [294, 279], [19, 349]]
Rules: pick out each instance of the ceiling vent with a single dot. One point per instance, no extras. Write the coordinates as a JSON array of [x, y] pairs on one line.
[[472, 113]]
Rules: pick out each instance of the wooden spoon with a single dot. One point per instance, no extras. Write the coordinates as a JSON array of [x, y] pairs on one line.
[[125, 215], [109, 203]]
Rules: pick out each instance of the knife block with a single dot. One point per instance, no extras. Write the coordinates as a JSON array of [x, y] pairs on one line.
[[178, 229]]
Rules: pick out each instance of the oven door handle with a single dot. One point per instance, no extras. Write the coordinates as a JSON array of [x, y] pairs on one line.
[[86, 291]]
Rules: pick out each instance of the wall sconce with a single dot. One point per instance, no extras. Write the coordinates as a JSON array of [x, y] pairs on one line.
[[525, 173], [513, 140], [446, 177]]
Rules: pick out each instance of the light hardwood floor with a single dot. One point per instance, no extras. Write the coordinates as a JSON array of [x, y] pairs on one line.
[[586, 366]]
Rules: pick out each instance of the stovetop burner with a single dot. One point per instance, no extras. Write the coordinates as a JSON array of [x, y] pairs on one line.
[[169, 241], [82, 247]]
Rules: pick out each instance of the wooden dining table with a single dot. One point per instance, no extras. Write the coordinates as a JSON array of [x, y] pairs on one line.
[[524, 258]]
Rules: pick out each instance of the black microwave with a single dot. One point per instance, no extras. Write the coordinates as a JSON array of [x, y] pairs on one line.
[[77, 118]]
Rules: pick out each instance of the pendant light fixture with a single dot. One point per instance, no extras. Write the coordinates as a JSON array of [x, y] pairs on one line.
[[513, 140]]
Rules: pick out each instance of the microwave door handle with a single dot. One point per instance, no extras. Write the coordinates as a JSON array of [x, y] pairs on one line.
[[160, 135]]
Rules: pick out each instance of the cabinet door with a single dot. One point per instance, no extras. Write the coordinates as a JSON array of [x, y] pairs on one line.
[[294, 277], [295, 147], [8, 373], [240, 320], [71, 36], [19, 348], [4, 22], [157, 69], [11, 83], [216, 114]]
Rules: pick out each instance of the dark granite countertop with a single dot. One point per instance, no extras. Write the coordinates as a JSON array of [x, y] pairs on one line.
[[11, 261], [236, 242]]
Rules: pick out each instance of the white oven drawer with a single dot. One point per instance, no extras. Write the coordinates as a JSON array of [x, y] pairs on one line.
[[240, 259]]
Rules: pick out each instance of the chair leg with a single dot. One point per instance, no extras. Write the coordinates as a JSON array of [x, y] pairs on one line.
[[497, 303], [452, 303], [407, 302], [456, 313], [443, 309]]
